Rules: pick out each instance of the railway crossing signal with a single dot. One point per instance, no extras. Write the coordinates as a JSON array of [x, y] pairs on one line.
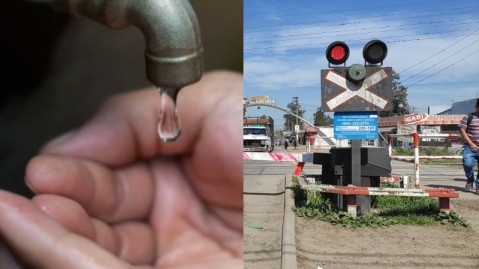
[[359, 87]]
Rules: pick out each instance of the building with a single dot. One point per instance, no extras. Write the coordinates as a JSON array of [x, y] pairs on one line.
[[457, 108], [438, 120]]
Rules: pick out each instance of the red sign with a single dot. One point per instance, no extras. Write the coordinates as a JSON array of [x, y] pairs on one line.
[[414, 118]]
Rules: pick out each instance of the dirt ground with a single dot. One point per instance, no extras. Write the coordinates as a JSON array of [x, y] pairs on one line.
[[322, 245], [262, 247]]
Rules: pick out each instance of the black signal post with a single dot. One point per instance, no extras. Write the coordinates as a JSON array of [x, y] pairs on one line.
[[353, 92]]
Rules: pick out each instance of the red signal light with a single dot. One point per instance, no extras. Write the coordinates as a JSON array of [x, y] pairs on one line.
[[337, 53], [375, 51]]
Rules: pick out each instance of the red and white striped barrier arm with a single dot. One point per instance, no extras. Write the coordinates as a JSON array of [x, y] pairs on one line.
[[271, 156], [299, 158], [416, 149], [355, 190]]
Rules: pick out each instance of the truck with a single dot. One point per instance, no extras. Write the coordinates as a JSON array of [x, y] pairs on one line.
[[258, 134]]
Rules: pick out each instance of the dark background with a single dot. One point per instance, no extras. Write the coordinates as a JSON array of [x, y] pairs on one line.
[[57, 69]]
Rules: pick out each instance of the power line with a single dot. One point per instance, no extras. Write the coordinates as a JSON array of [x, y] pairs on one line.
[[439, 51], [450, 56], [356, 9], [448, 83], [323, 44], [467, 56], [355, 31], [252, 39], [361, 20]]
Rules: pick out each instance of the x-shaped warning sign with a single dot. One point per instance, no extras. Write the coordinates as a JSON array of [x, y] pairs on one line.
[[351, 90]]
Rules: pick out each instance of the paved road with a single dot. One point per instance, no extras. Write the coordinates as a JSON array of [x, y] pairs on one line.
[[264, 204]]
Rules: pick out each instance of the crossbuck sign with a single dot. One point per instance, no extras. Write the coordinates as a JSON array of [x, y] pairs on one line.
[[373, 94]]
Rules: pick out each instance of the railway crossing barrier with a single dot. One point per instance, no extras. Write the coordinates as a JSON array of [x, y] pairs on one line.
[[351, 192]]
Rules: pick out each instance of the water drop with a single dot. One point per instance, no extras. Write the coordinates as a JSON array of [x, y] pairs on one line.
[[169, 127]]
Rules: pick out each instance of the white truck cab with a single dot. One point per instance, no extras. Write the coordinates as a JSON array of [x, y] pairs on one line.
[[257, 138]]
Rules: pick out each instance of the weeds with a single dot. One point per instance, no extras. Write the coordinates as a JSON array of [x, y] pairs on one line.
[[451, 217], [390, 210]]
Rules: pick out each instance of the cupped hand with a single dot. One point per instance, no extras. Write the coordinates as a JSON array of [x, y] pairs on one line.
[[112, 195]]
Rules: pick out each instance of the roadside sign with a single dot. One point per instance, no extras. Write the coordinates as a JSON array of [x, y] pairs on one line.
[[373, 94], [406, 130], [430, 129], [415, 118], [356, 125], [259, 100]]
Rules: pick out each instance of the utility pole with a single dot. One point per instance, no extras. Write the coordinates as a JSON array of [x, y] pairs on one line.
[[296, 106]]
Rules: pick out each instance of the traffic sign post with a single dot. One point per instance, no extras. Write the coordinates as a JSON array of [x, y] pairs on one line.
[[356, 126], [355, 94]]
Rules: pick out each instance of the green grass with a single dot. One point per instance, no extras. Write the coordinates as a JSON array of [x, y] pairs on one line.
[[388, 210], [407, 210], [430, 152], [441, 161], [403, 152]]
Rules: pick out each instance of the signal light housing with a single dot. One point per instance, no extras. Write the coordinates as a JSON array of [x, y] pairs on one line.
[[374, 52], [337, 53]]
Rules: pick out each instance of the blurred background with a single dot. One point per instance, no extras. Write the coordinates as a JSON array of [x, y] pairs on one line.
[[58, 69]]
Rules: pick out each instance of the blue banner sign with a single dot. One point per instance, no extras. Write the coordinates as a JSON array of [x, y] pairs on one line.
[[356, 125]]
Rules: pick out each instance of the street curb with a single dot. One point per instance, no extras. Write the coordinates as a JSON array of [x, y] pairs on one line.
[[288, 249]]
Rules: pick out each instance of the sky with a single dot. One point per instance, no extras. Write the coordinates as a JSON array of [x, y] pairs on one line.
[[432, 44]]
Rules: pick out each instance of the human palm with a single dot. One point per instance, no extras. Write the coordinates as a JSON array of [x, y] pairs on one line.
[[151, 205]]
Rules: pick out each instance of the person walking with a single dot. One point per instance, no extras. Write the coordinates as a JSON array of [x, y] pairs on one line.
[[286, 144], [469, 128]]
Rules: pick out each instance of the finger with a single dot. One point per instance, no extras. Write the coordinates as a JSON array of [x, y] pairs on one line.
[[132, 242], [68, 213], [216, 167], [41, 242], [125, 194], [124, 129]]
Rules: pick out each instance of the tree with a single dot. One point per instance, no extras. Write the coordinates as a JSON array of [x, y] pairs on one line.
[[321, 119], [400, 104], [290, 120], [244, 107]]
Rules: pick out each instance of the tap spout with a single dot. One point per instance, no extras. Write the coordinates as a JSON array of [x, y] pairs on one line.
[[174, 52]]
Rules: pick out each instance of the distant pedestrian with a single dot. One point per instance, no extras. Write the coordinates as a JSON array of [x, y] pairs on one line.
[[469, 128], [295, 143], [286, 144]]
